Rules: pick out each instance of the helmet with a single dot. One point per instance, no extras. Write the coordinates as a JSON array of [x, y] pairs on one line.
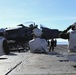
[[37, 32]]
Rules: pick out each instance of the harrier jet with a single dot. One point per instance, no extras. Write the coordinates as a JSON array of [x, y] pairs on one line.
[[19, 36]]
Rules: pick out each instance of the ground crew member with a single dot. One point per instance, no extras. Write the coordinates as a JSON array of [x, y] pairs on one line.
[[71, 36], [52, 45], [37, 44]]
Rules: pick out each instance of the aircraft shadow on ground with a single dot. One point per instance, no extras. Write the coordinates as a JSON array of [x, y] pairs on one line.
[[12, 54], [53, 53], [2, 58], [49, 53]]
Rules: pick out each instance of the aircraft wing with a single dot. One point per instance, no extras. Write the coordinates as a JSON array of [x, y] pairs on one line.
[[50, 33]]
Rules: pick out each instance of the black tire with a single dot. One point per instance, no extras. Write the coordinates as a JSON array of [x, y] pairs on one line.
[[5, 47]]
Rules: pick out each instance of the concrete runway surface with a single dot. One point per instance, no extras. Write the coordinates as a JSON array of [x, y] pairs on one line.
[[59, 62]]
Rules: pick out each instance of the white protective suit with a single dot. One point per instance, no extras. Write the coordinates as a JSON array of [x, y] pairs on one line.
[[72, 41], [37, 44]]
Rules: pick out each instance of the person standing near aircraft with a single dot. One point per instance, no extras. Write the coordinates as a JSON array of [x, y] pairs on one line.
[[71, 36], [4, 50], [48, 42], [55, 42], [38, 45], [52, 45]]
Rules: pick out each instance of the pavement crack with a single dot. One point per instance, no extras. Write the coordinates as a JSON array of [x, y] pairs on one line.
[[13, 68], [16, 66]]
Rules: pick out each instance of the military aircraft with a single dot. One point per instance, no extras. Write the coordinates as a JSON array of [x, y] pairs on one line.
[[19, 37]]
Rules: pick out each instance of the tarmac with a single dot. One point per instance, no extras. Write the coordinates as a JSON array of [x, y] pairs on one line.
[[59, 62]]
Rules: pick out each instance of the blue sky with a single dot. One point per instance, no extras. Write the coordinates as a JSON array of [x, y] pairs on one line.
[[56, 14]]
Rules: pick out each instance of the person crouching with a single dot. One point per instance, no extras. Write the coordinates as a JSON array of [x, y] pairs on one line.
[[37, 44]]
